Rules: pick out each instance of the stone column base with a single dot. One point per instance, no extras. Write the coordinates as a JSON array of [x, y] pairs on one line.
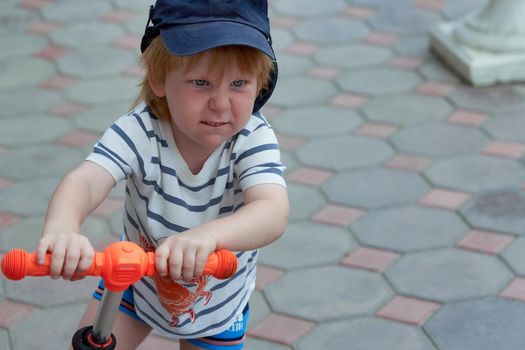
[[479, 67]]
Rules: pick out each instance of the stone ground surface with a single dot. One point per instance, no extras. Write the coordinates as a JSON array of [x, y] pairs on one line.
[[407, 185]]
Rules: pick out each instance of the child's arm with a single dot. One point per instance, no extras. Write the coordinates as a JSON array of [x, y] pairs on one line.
[[261, 220], [77, 195]]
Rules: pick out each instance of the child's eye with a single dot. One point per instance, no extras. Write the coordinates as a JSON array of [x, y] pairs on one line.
[[238, 83], [200, 82]]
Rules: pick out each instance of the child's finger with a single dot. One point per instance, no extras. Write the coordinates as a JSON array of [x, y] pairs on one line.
[[57, 260], [188, 265], [175, 264], [42, 249], [87, 254], [161, 260], [200, 261], [70, 261]]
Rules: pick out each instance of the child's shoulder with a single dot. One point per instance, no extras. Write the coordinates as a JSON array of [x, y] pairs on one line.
[[257, 121]]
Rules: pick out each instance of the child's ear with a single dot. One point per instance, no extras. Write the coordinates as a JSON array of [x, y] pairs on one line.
[[156, 86]]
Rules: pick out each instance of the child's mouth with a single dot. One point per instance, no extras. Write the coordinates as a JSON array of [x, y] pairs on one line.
[[214, 124]]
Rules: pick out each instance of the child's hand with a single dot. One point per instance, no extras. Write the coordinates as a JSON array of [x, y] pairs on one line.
[[71, 254], [184, 255]]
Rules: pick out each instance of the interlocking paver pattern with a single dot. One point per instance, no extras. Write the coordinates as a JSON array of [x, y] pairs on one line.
[[406, 184]]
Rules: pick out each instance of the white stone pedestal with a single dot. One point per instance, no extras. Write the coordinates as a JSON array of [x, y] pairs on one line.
[[486, 47]]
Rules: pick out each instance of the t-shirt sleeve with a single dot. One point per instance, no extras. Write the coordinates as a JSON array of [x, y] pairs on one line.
[[258, 159], [122, 149]]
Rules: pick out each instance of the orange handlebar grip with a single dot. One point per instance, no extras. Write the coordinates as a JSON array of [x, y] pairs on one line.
[[120, 265]]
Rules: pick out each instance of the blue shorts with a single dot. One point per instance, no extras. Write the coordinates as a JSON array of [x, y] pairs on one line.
[[231, 339]]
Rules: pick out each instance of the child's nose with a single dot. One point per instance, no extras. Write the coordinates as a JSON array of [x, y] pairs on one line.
[[220, 100]]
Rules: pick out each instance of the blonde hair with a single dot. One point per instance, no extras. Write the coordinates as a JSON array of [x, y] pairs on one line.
[[158, 62]]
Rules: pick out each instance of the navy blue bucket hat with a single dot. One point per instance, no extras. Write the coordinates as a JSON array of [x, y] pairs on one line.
[[188, 27]]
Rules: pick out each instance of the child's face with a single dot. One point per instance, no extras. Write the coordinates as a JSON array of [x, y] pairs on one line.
[[207, 110]]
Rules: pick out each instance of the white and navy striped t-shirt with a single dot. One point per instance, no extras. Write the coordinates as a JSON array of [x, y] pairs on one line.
[[164, 198]]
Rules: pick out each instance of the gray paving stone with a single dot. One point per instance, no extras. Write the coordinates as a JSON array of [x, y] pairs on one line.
[[439, 140], [15, 20], [375, 187], [458, 9], [413, 45], [13, 104], [258, 344], [28, 198], [448, 275], [281, 39], [483, 324], [31, 128], [96, 62], [499, 210], [307, 8], [288, 159], [378, 3], [9, 4], [365, 334], [26, 234], [45, 292], [307, 245], [407, 109], [409, 228], [353, 56], [137, 5], [16, 73], [65, 11], [4, 339], [317, 121], [17, 45], [299, 91], [86, 34], [259, 309], [137, 23], [115, 224], [507, 126], [38, 161], [474, 173], [379, 81], [514, 256], [101, 116], [403, 19], [348, 293], [304, 201], [290, 66], [438, 71], [56, 334], [104, 90], [344, 152], [491, 99], [331, 30]]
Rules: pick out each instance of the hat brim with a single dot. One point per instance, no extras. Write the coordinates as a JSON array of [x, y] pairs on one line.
[[189, 39]]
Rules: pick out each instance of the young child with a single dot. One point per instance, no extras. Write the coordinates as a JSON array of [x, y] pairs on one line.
[[202, 170]]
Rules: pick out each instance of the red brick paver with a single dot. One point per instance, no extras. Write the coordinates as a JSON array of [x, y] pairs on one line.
[[485, 242], [309, 176], [370, 259], [11, 313], [467, 118], [266, 276], [505, 149], [348, 101], [408, 162], [337, 215], [445, 199], [409, 310], [281, 329], [515, 290]]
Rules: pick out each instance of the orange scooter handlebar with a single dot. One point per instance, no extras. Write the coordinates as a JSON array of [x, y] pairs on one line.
[[120, 265]]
